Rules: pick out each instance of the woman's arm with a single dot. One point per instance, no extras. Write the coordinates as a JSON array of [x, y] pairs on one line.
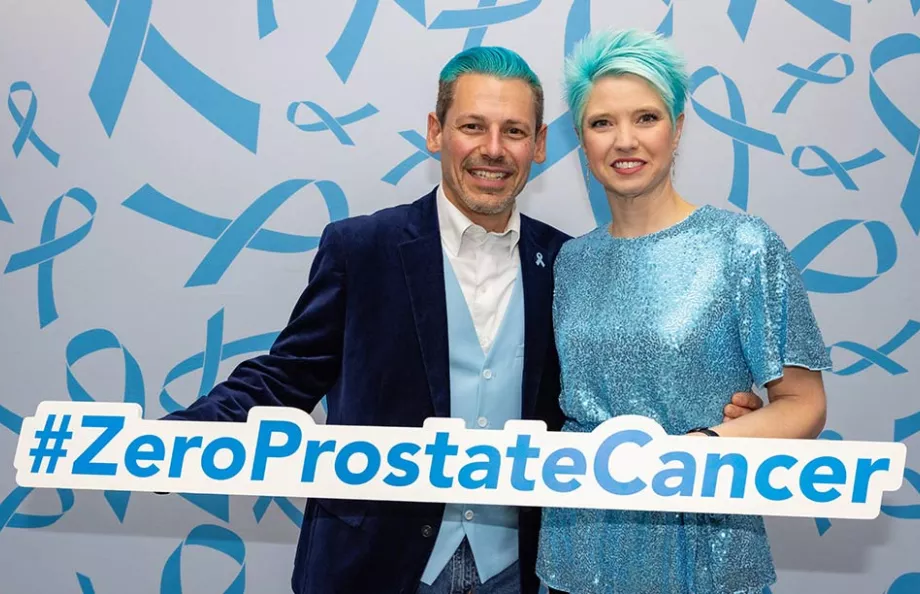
[[797, 409]]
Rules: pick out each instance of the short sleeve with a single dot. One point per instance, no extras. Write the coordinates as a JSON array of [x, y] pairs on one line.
[[776, 324]]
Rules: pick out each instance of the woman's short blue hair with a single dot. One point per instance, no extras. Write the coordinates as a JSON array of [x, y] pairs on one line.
[[499, 62], [628, 51]]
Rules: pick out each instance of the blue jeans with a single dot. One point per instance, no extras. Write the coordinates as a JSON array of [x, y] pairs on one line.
[[459, 576]]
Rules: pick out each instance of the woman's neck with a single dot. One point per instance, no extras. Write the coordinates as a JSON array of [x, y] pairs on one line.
[[648, 213]]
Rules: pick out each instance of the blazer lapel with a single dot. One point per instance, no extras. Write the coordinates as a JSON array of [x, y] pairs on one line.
[[538, 300], [423, 267]]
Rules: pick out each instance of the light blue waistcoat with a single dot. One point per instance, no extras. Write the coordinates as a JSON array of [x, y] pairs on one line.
[[485, 391]]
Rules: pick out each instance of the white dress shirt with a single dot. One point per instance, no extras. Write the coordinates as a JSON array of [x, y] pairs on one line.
[[485, 264]]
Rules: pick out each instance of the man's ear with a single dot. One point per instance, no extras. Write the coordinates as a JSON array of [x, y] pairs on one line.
[[539, 155], [433, 138]]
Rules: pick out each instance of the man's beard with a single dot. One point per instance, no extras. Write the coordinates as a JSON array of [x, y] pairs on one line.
[[488, 208]]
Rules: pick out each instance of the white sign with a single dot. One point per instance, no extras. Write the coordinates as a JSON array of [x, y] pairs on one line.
[[625, 463]]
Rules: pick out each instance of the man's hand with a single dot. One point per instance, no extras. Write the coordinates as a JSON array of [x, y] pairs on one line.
[[741, 404]]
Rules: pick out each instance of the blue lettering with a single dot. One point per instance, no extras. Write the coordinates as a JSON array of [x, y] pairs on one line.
[[714, 463], [314, 449], [438, 451], [237, 458], [180, 447], [133, 455], [84, 463], [264, 449], [686, 473], [762, 479], [491, 467], [408, 468], [864, 469], [552, 468], [602, 462], [357, 478], [810, 477], [520, 453]]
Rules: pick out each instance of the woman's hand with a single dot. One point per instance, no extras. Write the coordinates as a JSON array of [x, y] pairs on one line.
[[797, 409]]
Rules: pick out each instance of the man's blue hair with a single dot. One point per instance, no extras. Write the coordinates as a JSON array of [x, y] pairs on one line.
[[494, 61], [629, 51]]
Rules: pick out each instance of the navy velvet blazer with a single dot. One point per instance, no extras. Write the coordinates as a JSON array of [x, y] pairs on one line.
[[370, 332]]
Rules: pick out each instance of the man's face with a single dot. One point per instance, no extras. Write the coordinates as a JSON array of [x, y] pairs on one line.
[[487, 143]]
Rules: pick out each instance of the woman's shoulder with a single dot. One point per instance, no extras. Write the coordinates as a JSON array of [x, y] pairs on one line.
[[743, 230]]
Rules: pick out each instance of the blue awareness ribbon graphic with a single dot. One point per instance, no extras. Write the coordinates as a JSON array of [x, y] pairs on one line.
[[211, 537], [811, 74], [85, 344], [666, 27], [487, 13], [344, 54], [834, 16], [906, 427], [736, 127], [86, 584], [9, 516], [328, 122], [909, 511], [877, 357], [5, 216], [266, 15], [740, 13], [26, 124], [914, 6], [208, 361], [906, 132], [833, 166], [477, 20], [823, 524], [560, 134], [131, 39], [50, 246], [909, 583], [246, 231], [421, 154], [808, 249], [475, 35], [289, 509]]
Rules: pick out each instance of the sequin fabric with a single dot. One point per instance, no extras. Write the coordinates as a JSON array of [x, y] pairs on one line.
[[669, 325]]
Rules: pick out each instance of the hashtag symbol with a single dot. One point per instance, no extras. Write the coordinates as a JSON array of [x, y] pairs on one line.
[[55, 450]]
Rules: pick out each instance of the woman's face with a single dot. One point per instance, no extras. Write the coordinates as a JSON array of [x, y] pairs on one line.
[[628, 137]]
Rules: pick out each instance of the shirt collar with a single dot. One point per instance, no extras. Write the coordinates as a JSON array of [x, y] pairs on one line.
[[456, 229]]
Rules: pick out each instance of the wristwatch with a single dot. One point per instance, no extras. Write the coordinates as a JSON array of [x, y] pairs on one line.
[[705, 430]]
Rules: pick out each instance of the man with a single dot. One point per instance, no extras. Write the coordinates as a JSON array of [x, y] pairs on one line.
[[422, 310]]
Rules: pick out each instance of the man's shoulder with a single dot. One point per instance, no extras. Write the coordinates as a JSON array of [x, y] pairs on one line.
[[373, 228]]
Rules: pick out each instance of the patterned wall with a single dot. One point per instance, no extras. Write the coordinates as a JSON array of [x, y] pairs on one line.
[[167, 167]]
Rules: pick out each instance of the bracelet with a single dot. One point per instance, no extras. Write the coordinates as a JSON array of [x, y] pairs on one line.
[[705, 430]]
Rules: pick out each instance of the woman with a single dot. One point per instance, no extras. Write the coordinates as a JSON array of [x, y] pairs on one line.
[[662, 313]]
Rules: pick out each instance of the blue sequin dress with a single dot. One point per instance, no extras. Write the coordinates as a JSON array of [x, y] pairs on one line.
[[669, 325]]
